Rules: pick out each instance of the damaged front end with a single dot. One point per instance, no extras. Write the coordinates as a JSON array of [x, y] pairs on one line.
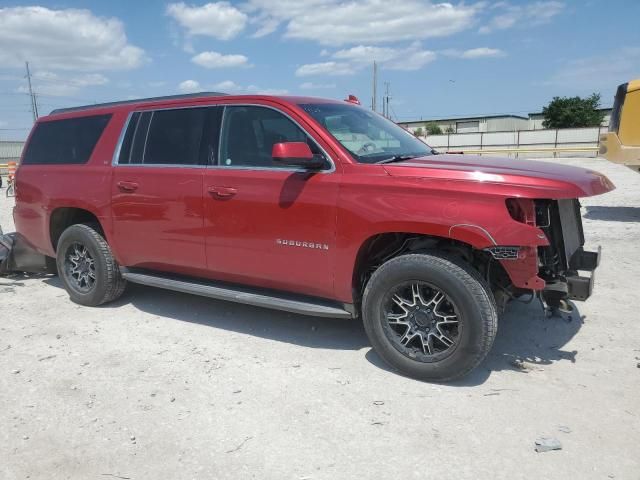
[[561, 261], [552, 269]]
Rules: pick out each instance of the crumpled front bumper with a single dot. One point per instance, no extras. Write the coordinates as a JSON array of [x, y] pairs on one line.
[[581, 287]]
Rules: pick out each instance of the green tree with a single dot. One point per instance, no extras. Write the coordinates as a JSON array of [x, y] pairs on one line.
[[433, 128], [449, 129], [418, 132], [573, 112]]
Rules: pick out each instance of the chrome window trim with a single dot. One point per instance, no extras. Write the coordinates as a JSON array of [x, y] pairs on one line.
[[116, 154], [123, 132], [146, 140]]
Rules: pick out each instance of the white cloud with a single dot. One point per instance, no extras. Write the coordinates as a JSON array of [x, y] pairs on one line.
[[482, 52], [219, 20], [218, 60], [324, 68], [334, 22], [229, 86], [316, 86], [605, 72], [189, 86], [266, 91], [69, 39], [366, 54], [50, 83], [410, 58], [473, 53], [226, 86], [535, 13]]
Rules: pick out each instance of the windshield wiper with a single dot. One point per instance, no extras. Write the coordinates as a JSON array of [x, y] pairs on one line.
[[397, 158]]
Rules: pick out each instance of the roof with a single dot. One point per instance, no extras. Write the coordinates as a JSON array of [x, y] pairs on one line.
[[633, 85], [192, 96], [604, 109], [478, 117]]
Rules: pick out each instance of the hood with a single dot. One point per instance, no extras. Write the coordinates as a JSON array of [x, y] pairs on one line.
[[552, 179]]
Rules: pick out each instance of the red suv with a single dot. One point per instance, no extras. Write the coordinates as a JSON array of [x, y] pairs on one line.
[[318, 207]]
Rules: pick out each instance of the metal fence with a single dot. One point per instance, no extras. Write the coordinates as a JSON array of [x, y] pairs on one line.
[[10, 151], [583, 142]]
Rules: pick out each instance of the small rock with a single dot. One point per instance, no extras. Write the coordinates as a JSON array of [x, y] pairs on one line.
[[15, 372], [378, 402], [564, 429], [638, 365], [237, 391], [517, 363], [58, 336], [133, 439], [173, 399], [546, 444]]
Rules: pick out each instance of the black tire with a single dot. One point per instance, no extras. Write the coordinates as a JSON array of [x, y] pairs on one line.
[[107, 283], [470, 303]]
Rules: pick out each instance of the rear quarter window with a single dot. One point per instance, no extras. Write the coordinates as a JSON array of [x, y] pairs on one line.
[[69, 141]]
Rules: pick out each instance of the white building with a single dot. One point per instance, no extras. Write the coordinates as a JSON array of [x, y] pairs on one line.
[[488, 123]]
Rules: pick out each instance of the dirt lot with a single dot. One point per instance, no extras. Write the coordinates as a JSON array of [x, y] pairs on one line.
[[169, 386]]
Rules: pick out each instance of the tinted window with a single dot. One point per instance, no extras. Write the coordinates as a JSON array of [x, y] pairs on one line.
[[69, 141], [249, 133], [367, 136], [174, 137]]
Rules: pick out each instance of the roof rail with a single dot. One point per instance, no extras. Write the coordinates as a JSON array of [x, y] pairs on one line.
[[136, 100]]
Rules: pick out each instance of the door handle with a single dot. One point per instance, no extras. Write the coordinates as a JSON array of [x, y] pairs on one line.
[[223, 192], [127, 186]]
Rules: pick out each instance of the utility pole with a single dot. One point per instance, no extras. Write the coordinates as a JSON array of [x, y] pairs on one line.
[[385, 100], [374, 97], [34, 102]]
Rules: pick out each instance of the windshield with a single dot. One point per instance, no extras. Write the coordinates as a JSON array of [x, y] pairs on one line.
[[369, 137]]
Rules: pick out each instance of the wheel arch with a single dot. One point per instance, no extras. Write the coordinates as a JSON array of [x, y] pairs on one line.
[[465, 241], [62, 218]]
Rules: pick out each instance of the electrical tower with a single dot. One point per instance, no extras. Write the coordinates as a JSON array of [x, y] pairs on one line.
[[374, 97], [386, 99], [32, 96]]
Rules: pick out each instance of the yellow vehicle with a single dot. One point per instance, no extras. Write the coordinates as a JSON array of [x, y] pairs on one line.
[[622, 143]]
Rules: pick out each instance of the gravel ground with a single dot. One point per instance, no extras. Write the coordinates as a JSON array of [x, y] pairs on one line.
[[164, 385]]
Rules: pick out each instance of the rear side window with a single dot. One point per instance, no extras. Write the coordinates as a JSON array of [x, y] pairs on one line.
[[166, 137], [69, 141], [618, 103], [174, 137]]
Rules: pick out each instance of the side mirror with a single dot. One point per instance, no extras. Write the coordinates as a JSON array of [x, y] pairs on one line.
[[296, 154]]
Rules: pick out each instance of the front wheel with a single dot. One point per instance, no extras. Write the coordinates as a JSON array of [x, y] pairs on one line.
[[430, 316], [87, 268]]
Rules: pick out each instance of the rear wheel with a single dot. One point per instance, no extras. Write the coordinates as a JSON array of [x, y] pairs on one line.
[[87, 268], [430, 316]]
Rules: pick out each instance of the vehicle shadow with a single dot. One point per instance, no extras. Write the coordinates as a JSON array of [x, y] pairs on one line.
[[312, 332], [527, 339], [613, 214]]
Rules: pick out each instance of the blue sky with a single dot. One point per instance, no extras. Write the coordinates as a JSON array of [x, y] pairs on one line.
[[441, 59]]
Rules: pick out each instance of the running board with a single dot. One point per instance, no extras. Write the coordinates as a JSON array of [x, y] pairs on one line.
[[315, 308]]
